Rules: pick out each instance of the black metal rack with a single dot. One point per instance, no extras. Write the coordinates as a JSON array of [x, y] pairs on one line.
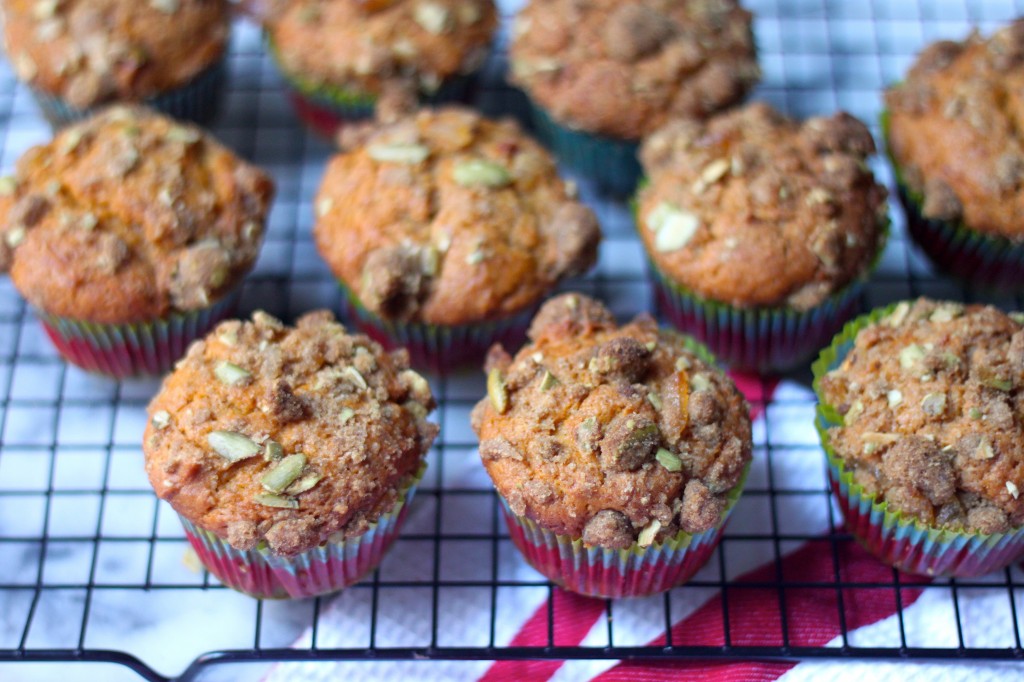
[[85, 545]]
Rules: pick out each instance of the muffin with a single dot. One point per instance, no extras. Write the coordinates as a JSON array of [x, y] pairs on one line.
[[346, 60], [919, 415], [617, 452], [290, 454], [130, 234], [603, 74], [76, 55], [952, 132], [761, 230], [445, 229]]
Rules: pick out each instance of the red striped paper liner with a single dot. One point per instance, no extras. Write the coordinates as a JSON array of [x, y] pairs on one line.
[[328, 568], [124, 350], [614, 573]]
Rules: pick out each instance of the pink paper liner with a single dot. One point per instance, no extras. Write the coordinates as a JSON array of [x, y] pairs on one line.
[[123, 350], [328, 568]]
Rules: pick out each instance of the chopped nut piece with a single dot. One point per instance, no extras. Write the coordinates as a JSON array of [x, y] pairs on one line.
[[482, 173], [898, 314], [399, 153], [231, 374], [934, 404], [855, 411], [647, 535], [911, 356], [434, 18], [673, 227], [232, 446], [1012, 489], [355, 377], [346, 414], [272, 451], [548, 381], [655, 400], [669, 460], [161, 419], [284, 473], [273, 500], [496, 391], [894, 397]]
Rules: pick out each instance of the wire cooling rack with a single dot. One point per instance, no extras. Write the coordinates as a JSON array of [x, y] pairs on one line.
[[94, 569]]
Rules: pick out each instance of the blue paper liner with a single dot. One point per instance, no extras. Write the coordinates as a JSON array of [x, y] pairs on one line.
[[328, 568], [612, 164], [198, 100], [896, 539]]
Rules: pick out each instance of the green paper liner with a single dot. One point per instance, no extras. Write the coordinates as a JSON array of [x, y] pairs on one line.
[[897, 539], [612, 164], [980, 260], [198, 100], [328, 568], [613, 573]]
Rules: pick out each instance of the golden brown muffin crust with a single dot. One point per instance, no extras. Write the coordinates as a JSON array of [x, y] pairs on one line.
[[356, 413], [446, 217], [129, 216], [954, 131], [753, 209], [371, 47], [93, 51], [623, 69], [932, 397], [599, 431]]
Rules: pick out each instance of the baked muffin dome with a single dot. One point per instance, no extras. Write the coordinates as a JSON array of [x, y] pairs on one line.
[[623, 69], [129, 216], [88, 52], [394, 48], [448, 218], [930, 398], [598, 432], [254, 394], [953, 131], [753, 209]]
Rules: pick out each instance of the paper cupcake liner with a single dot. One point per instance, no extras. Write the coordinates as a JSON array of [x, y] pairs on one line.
[[328, 568], [438, 348], [984, 261], [324, 108], [614, 573], [198, 101], [897, 539], [758, 339], [612, 164], [123, 350]]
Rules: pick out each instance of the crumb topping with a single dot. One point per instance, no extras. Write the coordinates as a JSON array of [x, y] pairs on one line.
[[623, 69], [93, 51], [287, 435], [931, 398], [753, 209], [128, 216], [600, 431], [418, 213], [954, 131]]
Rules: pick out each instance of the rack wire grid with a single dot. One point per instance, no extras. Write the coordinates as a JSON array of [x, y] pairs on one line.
[[95, 569]]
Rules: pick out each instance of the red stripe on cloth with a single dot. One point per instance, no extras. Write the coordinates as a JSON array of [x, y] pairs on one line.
[[573, 618], [757, 390], [812, 613]]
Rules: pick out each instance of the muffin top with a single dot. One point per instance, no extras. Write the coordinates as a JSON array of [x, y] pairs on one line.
[[92, 51], [129, 216], [931, 397], [753, 209], [419, 213], [392, 47], [622, 68], [613, 434], [954, 131], [287, 435]]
